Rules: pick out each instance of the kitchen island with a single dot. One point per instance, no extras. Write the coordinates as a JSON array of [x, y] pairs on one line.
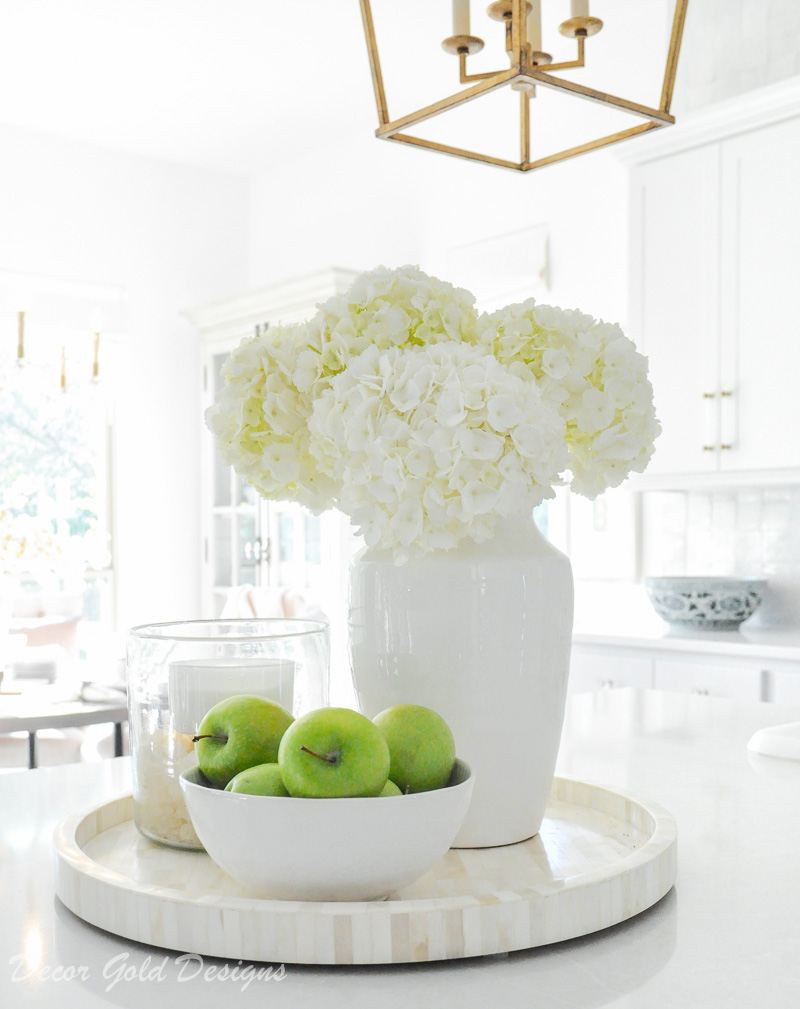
[[726, 935]]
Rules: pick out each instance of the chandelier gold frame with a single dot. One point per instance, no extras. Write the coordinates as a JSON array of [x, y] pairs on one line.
[[524, 74]]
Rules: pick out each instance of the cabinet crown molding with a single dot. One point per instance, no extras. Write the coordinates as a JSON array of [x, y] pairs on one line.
[[749, 111], [289, 301]]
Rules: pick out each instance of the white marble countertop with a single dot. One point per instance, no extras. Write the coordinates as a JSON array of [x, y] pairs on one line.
[[654, 634], [726, 936]]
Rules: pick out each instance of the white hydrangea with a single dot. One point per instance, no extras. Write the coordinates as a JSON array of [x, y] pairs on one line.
[[429, 445], [595, 377], [392, 308], [425, 423], [260, 417]]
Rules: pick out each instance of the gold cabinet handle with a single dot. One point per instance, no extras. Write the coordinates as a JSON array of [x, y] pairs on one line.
[[726, 421], [709, 425]]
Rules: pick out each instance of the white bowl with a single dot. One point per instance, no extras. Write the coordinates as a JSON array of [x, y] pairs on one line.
[[326, 849], [705, 602]]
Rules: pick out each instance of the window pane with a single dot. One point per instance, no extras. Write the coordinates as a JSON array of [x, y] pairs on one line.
[[54, 523], [286, 537], [313, 526], [222, 472], [248, 560], [223, 546]]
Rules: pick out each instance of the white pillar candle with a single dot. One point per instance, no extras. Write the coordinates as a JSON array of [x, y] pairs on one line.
[[579, 8], [195, 686], [535, 26], [461, 17]]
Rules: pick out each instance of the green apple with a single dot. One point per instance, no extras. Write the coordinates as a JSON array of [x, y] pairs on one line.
[[239, 732], [263, 779], [421, 747], [390, 789], [333, 753]]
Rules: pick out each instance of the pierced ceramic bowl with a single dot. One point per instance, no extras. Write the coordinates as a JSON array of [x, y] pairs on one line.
[[326, 849], [712, 603]]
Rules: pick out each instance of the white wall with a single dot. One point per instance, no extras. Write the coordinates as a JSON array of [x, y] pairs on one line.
[[365, 202], [173, 237], [731, 48]]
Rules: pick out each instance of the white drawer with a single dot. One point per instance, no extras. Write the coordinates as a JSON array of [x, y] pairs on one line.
[[785, 683], [746, 683], [590, 671]]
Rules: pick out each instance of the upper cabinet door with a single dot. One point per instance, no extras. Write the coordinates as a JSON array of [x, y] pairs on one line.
[[674, 294], [760, 348]]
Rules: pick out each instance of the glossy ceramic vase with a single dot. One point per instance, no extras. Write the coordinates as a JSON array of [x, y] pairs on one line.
[[481, 634]]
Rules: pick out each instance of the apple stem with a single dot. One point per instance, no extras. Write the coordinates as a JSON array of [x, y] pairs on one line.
[[321, 756], [407, 790], [208, 735]]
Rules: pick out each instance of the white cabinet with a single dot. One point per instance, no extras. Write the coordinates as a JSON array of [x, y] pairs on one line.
[[784, 683], [715, 250], [675, 272], [743, 682], [595, 669], [275, 546], [760, 266], [597, 666]]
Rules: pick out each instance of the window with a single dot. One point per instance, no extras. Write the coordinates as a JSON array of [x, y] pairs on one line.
[[56, 549], [54, 508]]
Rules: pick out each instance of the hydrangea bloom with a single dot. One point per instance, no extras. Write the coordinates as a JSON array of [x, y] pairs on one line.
[[393, 308], [429, 445], [260, 417], [425, 423], [593, 374]]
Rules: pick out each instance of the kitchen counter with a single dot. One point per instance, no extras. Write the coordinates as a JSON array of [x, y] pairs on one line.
[[726, 935], [656, 635]]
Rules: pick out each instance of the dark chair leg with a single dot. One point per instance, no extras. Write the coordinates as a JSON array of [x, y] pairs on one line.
[[31, 750], [117, 739]]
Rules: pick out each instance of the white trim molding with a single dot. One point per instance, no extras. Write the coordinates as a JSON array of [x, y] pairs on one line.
[[713, 480], [749, 111], [289, 301]]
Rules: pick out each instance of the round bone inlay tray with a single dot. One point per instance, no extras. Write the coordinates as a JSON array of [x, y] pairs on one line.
[[601, 856]]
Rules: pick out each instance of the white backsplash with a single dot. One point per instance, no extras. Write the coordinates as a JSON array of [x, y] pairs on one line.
[[731, 48], [741, 531]]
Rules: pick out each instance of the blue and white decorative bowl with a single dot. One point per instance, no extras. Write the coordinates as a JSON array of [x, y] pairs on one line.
[[717, 604]]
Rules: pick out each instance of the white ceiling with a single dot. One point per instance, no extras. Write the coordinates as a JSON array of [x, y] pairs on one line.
[[226, 84], [234, 85]]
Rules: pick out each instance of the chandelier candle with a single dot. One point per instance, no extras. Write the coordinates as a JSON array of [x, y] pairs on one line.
[[461, 17], [535, 25]]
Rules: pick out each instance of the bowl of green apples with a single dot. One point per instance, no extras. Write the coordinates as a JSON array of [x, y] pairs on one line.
[[332, 806]]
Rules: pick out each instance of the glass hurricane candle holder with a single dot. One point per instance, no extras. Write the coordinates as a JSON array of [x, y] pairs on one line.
[[177, 671]]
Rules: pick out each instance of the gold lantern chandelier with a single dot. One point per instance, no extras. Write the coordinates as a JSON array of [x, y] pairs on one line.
[[529, 66]]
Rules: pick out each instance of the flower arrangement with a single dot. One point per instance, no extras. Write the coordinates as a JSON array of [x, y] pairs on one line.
[[427, 423]]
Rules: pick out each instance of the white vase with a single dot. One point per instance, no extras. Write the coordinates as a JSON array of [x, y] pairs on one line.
[[481, 634]]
